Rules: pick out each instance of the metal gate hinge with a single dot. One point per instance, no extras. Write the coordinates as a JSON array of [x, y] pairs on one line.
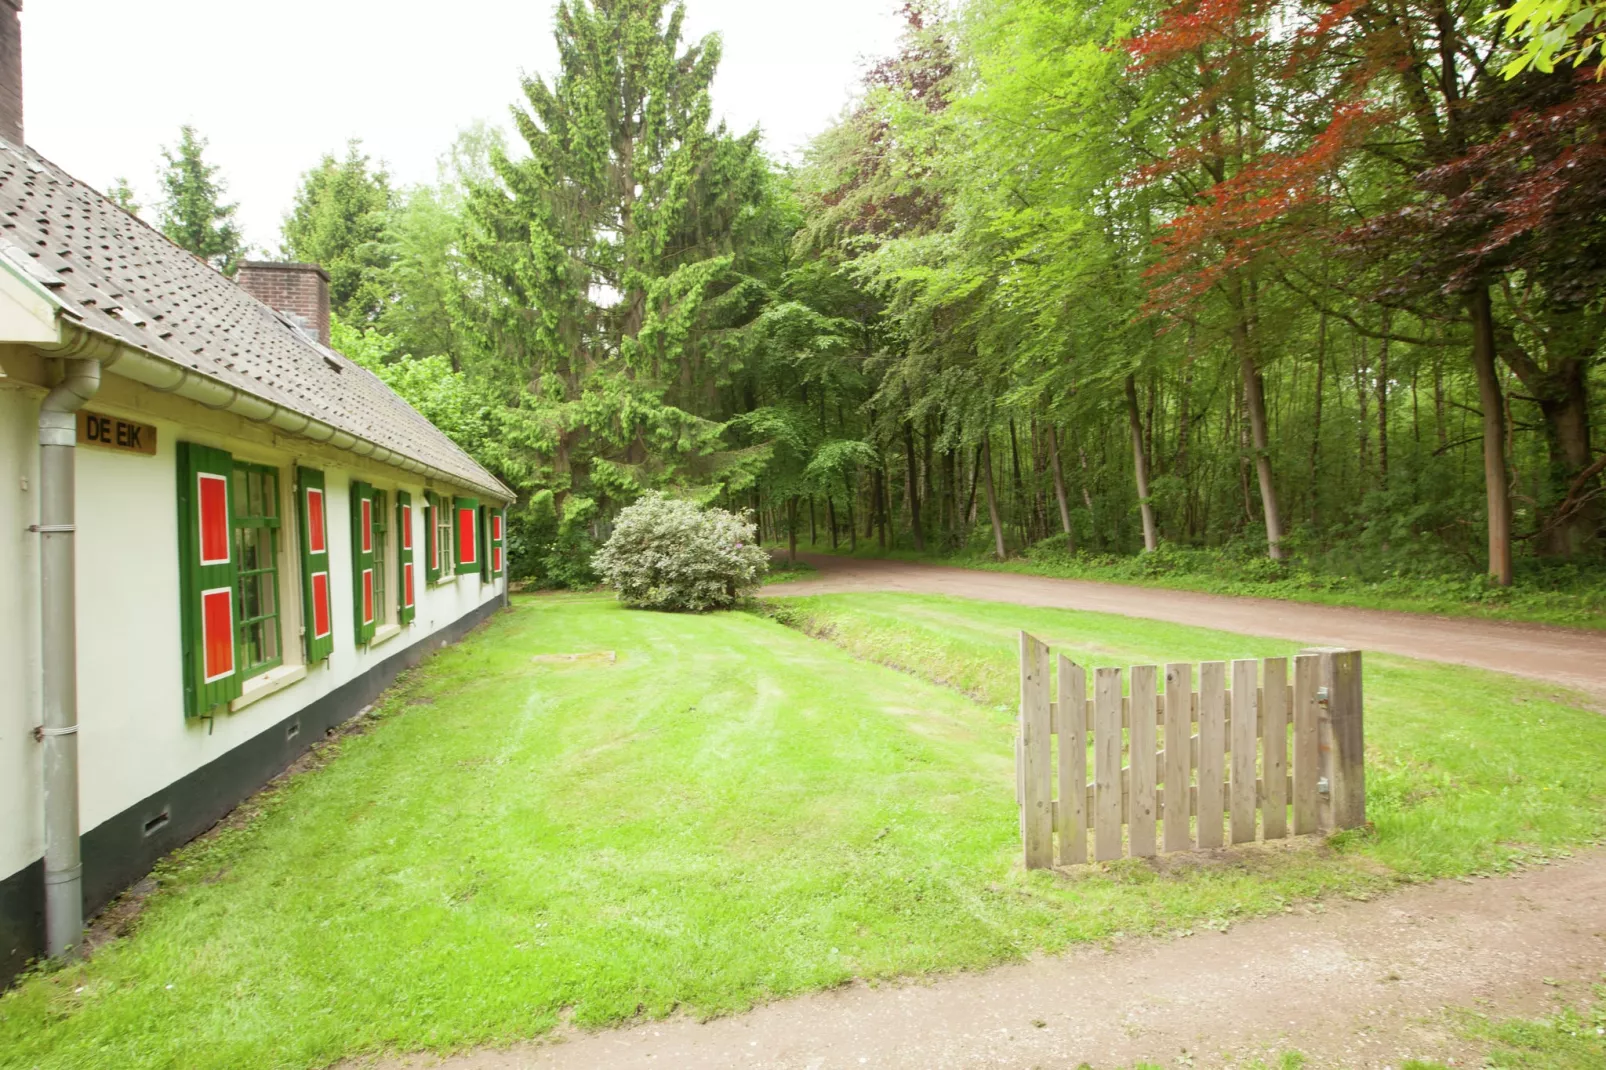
[[52, 529]]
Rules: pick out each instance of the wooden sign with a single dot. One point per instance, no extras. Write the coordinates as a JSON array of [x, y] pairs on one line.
[[116, 433]]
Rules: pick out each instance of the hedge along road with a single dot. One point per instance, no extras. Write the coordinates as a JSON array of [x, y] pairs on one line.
[[1564, 656]]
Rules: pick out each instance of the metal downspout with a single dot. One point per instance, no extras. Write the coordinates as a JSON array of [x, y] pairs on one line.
[[58, 437]]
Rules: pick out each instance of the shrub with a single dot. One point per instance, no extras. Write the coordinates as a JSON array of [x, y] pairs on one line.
[[672, 555]]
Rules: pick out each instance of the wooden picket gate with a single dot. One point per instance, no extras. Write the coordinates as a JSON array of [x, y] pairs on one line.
[[1193, 759]]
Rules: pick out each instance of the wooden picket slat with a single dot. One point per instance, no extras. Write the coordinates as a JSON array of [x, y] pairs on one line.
[[1307, 673], [1107, 763], [1178, 754], [1244, 676], [1274, 747], [1037, 775], [1212, 750], [1071, 724], [1140, 820]]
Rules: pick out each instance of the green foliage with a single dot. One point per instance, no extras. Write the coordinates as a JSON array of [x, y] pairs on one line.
[[610, 255], [121, 194], [192, 212], [1551, 33], [671, 554], [338, 221]]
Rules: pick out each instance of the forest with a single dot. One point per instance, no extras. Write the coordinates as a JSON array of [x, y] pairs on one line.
[[1300, 288]]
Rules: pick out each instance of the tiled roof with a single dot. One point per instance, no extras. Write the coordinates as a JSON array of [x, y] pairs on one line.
[[125, 279]]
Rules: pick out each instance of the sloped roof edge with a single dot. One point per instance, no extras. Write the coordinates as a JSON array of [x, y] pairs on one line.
[[175, 324]]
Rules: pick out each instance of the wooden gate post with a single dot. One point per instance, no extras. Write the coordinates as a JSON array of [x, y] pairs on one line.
[[1036, 761], [1342, 761]]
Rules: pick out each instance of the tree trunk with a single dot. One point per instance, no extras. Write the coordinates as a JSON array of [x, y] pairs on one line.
[[975, 474], [1255, 402], [992, 498], [853, 526], [814, 538], [914, 487], [1059, 488], [1255, 399], [1383, 405], [1316, 421], [791, 529], [883, 509], [1140, 465], [1020, 509], [1494, 435], [830, 518]]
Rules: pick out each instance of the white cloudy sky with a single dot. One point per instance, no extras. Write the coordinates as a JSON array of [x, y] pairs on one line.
[[275, 83]]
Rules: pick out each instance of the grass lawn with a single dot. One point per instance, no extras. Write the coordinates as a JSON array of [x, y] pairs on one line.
[[1466, 770], [728, 813], [1573, 597]]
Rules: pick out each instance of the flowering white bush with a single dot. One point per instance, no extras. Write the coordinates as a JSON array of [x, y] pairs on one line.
[[670, 554]]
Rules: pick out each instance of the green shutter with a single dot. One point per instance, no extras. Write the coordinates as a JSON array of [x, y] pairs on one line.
[[432, 571], [484, 515], [207, 563], [466, 534], [364, 604], [406, 559], [498, 537], [317, 598]]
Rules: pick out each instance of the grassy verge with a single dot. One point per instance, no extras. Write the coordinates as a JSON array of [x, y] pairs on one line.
[[726, 812], [1570, 1039], [1467, 771], [1568, 596]]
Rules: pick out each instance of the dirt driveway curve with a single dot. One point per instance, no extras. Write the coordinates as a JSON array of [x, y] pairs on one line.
[[1575, 658], [1349, 985]]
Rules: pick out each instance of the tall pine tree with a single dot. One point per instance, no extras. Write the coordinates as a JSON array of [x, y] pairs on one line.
[[338, 222], [193, 213], [611, 243]]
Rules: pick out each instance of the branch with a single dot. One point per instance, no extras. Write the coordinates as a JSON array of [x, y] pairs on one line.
[[1359, 327]]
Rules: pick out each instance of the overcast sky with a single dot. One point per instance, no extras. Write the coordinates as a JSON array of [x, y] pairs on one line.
[[275, 83]]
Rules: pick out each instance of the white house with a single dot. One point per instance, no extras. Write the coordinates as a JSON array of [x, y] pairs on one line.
[[218, 538]]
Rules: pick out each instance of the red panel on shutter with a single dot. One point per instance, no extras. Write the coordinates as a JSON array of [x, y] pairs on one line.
[[465, 536], [367, 526], [214, 516], [496, 558], [407, 527], [367, 595], [407, 576], [217, 629], [320, 604], [315, 544], [496, 526]]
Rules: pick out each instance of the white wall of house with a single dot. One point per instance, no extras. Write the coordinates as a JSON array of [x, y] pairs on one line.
[[134, 738], [21, 797]]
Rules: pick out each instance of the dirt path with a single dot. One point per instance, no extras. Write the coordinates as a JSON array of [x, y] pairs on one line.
[[1354, 985], [1565, 656]]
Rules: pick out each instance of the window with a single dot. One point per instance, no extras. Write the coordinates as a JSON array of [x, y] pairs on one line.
[[256, 537], [443, 536], [380, 531]]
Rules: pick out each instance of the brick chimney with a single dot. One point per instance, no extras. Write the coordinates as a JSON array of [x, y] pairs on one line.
[[300, 291], [11, 71]]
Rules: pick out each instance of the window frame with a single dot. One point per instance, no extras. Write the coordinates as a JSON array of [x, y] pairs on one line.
[[445, 518], [382, 531], [240, 519]]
